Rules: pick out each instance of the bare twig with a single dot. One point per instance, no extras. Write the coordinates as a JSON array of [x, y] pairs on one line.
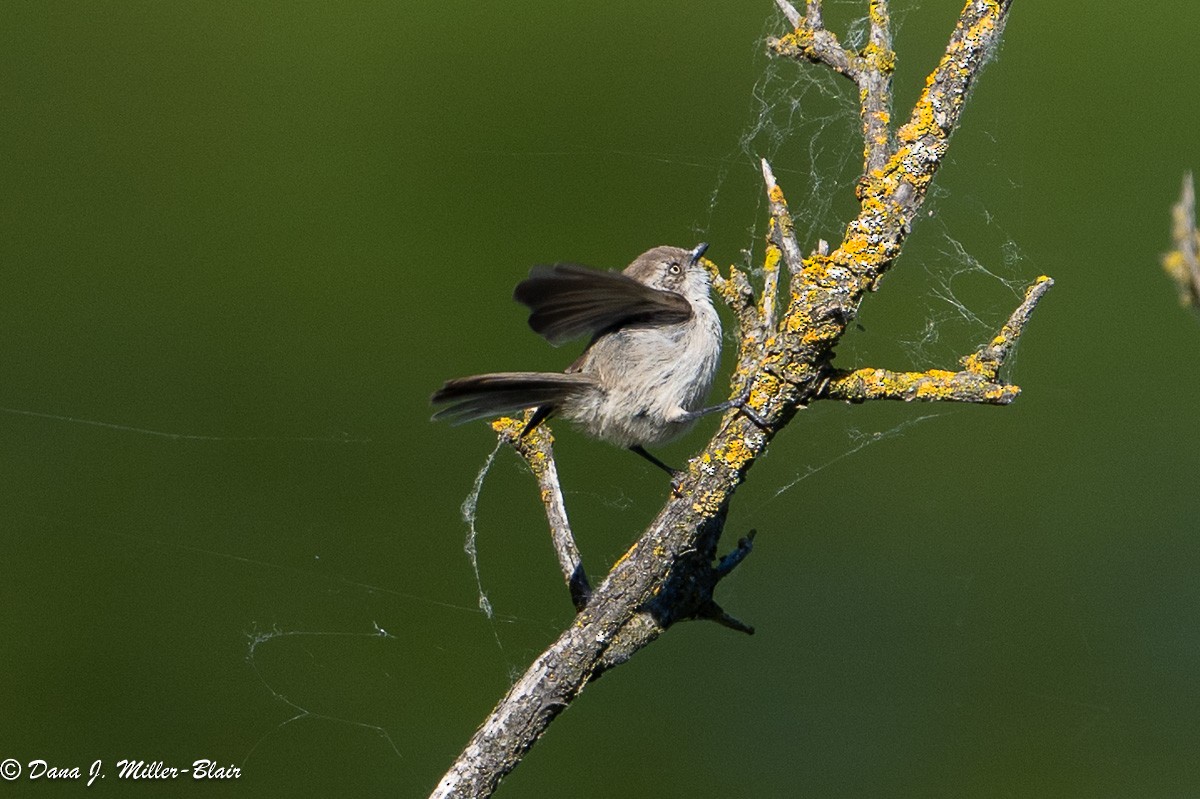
[[782, 232], [536, 448], [1182, 263], [792, 15]]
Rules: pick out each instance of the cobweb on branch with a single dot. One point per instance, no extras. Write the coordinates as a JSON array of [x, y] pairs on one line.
[[470, 510], [965, 255], [804, 119]]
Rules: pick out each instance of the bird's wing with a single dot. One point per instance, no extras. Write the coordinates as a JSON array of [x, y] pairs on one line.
[[568, 301]]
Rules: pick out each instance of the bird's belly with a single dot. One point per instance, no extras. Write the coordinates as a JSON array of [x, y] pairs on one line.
[[643, 387]]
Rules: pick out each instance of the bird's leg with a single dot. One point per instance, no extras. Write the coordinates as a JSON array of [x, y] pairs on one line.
[[540, 414], [675, 473], [740, 403]]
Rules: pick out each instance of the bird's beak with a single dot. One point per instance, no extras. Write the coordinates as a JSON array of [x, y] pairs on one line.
[[699, 251]]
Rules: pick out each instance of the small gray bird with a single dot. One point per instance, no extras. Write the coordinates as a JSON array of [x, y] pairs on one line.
[[655, 344]]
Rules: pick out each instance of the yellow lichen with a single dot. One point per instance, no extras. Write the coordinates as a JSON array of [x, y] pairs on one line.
[[708, 503], [737, 454], [796, 321], [973, 363], [1000, 392], [771, 258], [505, 424], [820, 334], [626, 556], [758, 397], [931, 390]]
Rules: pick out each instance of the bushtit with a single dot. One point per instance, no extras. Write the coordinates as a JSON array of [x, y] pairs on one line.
[[655, 343]]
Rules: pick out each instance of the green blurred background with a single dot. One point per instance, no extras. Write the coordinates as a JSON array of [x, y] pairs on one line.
[[242, 242]]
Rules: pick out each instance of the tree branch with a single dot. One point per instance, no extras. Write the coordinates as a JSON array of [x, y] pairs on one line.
[[811, 41], [977, 383], [670, 573], [988, 359], [935, 385], [536, 448], [871, 69], [782, 233], [1182, 263], [875, 83]]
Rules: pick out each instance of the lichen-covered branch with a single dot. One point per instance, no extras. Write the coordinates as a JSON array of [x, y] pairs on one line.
[[875, 84], [935, 385], [536, 448], [977, 383], [781, 234], [987, 361], [738, 295], [1183, 262], [666, 577], [671, 572], [811, 41], [871, 68]]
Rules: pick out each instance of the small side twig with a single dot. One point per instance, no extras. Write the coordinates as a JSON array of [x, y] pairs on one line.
[[1183, 263], [977, 383], [731, 561], [782, 233], [737, 294], [536, 448], [988, 359], [935, 385], [811, 41], [871, 69], [793, 16], [875, 84]]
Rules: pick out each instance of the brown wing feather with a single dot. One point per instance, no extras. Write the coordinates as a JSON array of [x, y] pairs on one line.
[[568, 301]]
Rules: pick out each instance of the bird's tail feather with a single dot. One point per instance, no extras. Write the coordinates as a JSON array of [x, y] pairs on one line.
[[491, 395]]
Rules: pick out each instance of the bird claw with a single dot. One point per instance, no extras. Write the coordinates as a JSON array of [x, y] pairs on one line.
[[742, 403]]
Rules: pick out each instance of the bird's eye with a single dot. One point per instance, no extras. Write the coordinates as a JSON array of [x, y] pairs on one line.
[[674, 268]]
